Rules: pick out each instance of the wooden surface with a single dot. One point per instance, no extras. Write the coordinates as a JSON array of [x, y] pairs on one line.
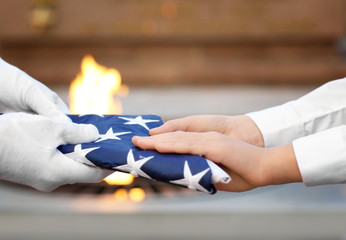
[[165, 42]]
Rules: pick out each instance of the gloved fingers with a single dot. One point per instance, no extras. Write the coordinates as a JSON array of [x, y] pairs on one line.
[[43, 132], [43, 101], [73, 133], [74, 172], [52, 97], [24, 93], [62, 106]]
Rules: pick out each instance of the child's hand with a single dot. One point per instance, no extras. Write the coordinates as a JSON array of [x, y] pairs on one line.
[[240, 127], [249, 166]]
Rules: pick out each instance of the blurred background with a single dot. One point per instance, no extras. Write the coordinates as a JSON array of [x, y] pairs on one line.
[[177, 58]]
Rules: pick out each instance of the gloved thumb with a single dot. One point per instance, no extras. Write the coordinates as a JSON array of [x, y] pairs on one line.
[[74, 172], [79, 133]]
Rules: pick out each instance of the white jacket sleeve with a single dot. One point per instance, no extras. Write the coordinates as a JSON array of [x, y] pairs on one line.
[[318, 110], [316, 124]]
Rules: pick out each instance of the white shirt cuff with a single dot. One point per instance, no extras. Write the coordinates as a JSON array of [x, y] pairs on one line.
[[279, 125], [321, 157]]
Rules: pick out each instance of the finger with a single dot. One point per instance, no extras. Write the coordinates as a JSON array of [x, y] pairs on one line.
[[72, 172], [180, 124], [184, 143], [73, 133], [58, 102], [202, 123], [52, 97], [45, 102], [166, 142], [62, 106]]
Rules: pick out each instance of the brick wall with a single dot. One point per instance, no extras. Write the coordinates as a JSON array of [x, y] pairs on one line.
[[163, 42]]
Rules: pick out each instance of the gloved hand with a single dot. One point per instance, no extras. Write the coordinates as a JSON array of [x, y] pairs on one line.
[[29, 154], [22, 93]]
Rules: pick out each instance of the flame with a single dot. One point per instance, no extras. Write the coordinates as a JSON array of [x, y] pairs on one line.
[[134, 194], [119, 178], [93, 91], [137, 194], [120, 195]]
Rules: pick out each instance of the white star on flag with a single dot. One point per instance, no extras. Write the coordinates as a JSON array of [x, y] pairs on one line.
[[79, 154], [111, 135], [191, 181], [134, 167], [139, 121]]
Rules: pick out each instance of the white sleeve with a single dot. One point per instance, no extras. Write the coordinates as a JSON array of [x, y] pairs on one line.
[[321, 157], [318, 110]]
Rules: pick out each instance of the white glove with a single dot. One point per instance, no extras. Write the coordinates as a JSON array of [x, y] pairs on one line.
[[20, 92], [29, 154]]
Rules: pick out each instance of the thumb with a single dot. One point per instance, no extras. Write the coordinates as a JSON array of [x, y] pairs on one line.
[[68, 171], [74, 172], [79, 133]]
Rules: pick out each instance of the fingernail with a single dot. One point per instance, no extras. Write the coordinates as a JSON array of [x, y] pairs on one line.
[[135, 139]]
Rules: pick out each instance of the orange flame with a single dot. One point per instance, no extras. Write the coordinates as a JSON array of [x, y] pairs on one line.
[[119, 178], [137, 194], [93, 91], [121, 195]]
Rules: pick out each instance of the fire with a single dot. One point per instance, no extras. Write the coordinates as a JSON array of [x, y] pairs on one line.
[[120, 195], [93, 91], [134, 194], [137, 194], [119, 178]]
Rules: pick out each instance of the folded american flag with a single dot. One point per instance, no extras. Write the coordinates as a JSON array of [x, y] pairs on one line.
[[115, 150]]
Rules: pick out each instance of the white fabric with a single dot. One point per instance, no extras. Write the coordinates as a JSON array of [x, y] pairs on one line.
[[29, 154], [20, 92], [321, 157], [279, 125], [28, 143], [218, 174]]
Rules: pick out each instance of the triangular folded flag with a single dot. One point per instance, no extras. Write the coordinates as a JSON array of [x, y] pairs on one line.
[[115, 150]]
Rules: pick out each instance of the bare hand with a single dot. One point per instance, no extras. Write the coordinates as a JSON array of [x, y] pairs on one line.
[[240, 127], [249, 166]]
